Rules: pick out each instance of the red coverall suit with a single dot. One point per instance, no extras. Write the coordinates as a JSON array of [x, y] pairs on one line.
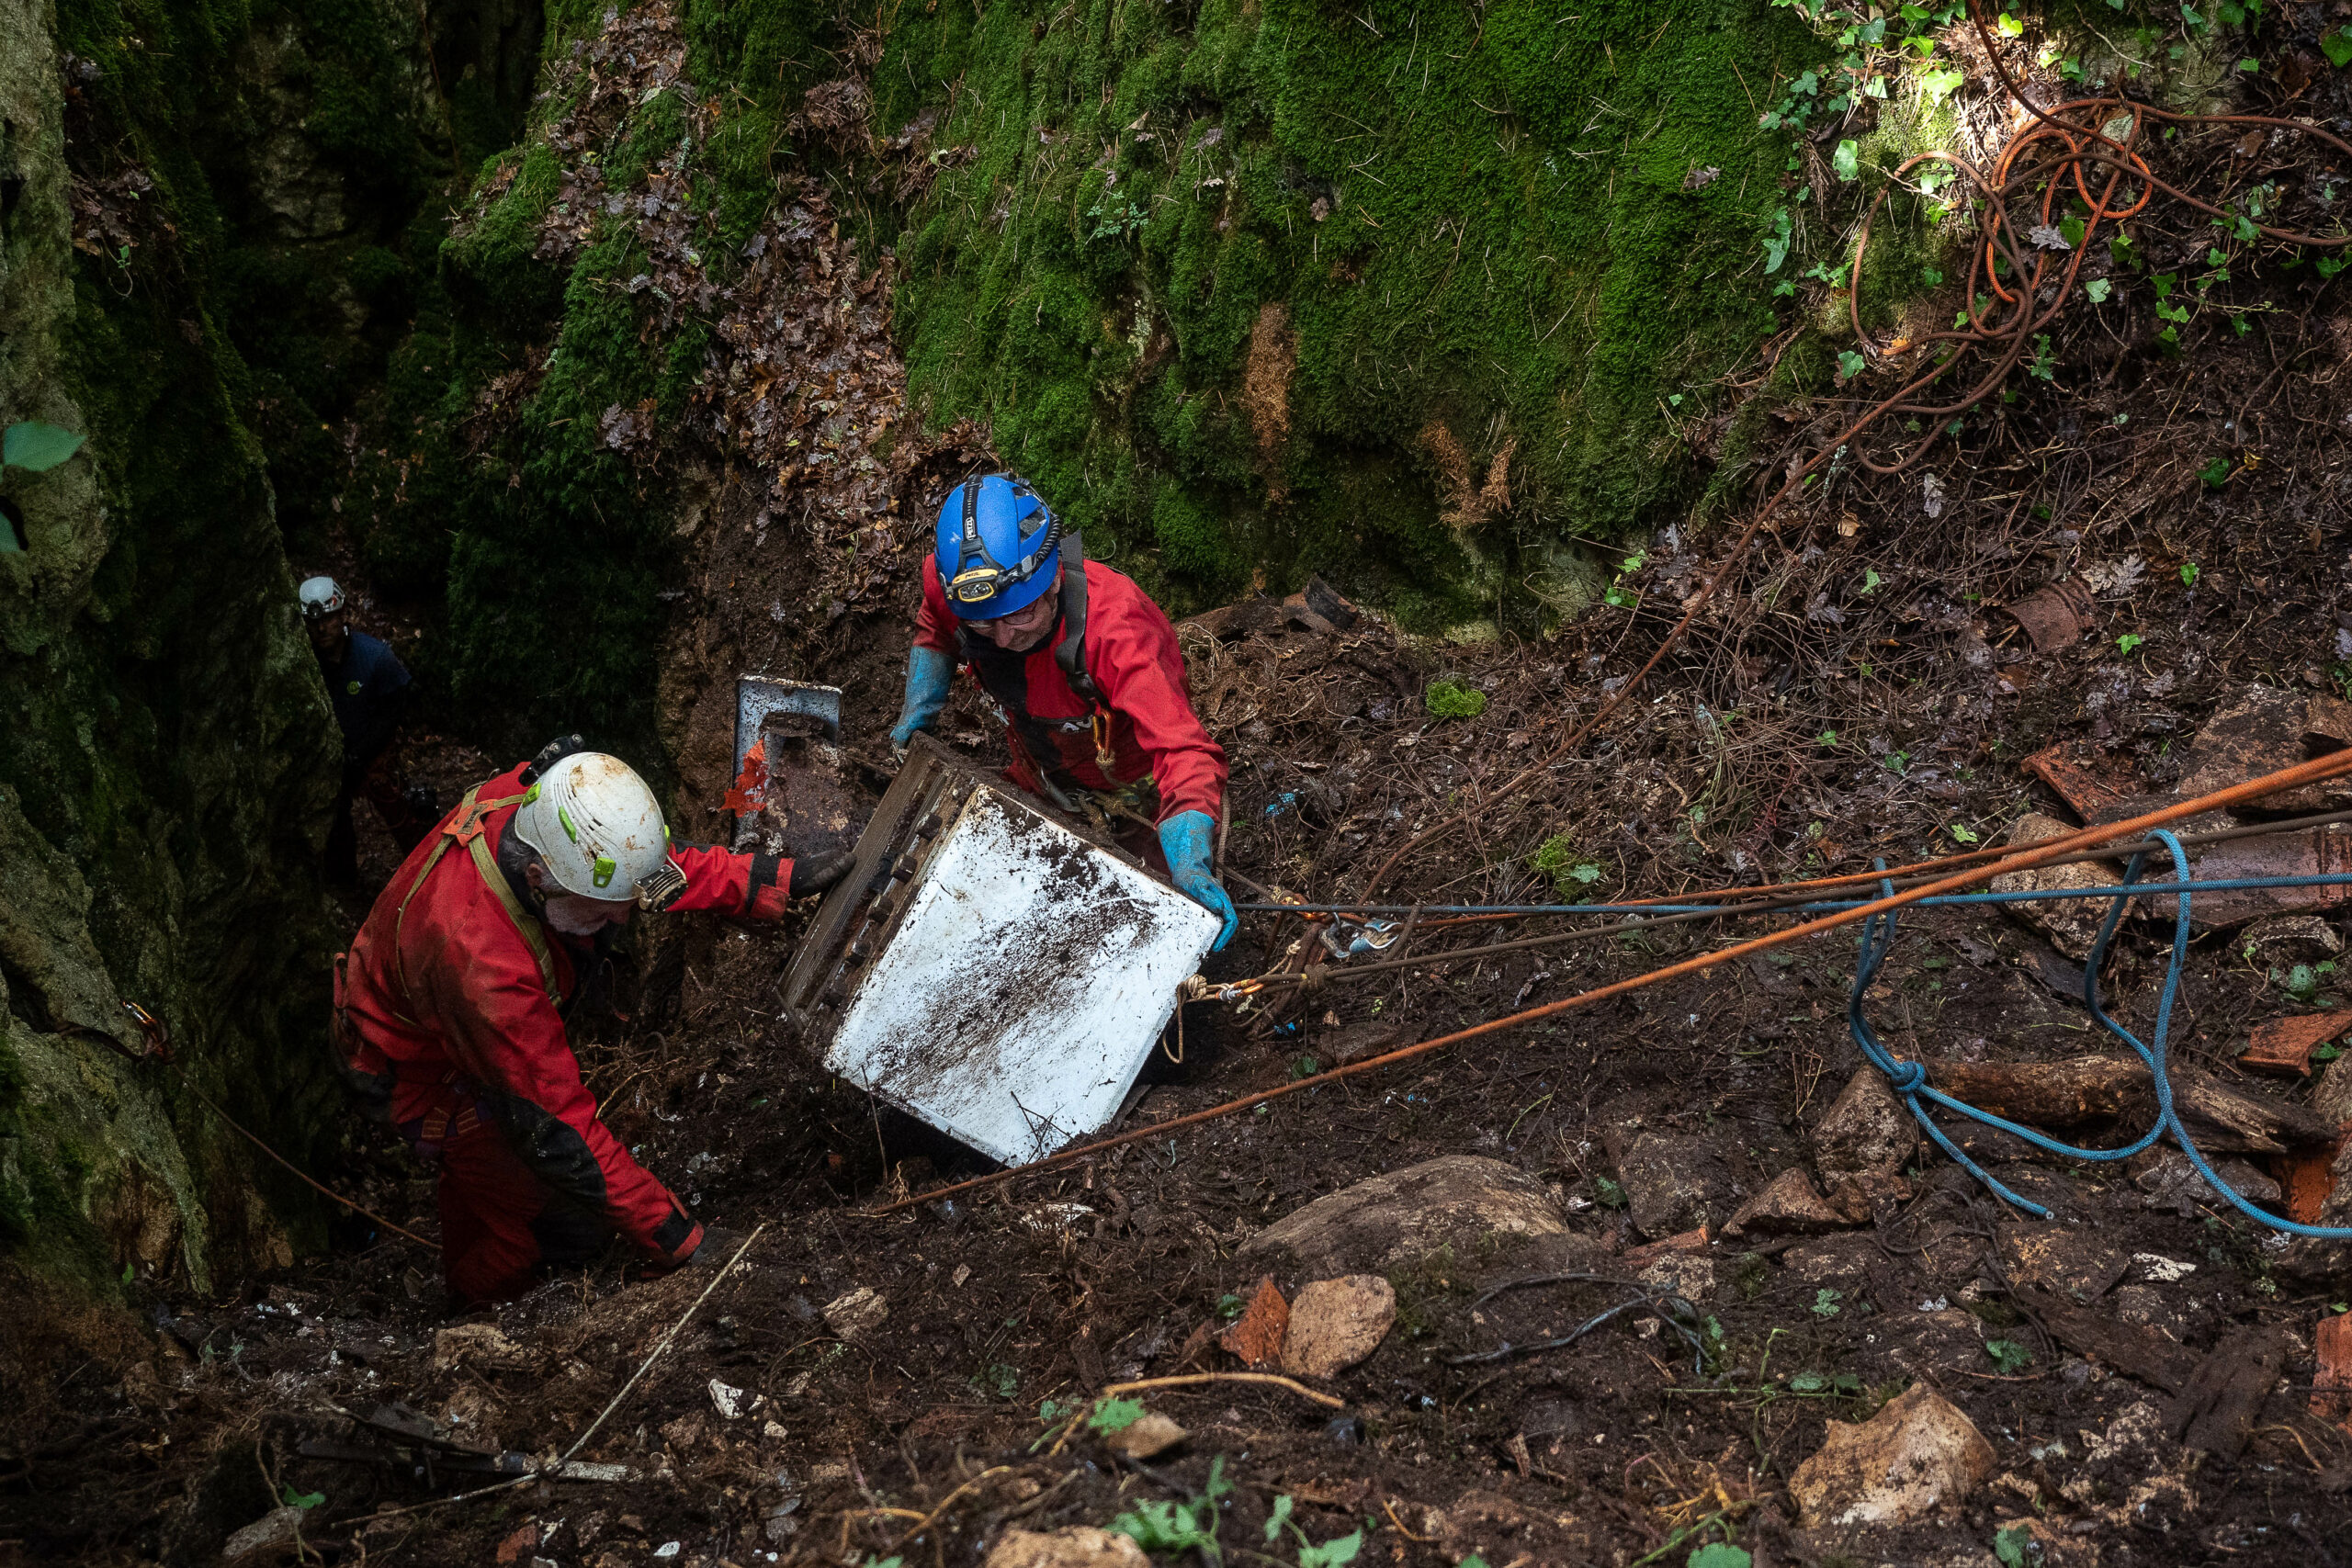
[[1132, 655], [451, 1029]]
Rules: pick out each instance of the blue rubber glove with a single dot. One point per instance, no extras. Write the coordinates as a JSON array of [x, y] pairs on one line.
[[927, 674], [1184, 838]]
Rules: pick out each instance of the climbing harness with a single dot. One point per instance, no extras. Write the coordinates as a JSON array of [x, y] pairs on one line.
[[468, 825]]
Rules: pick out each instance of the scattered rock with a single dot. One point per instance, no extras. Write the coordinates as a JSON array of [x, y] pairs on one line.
[[856, 1313], [2075, 1263], [727, 1399], [1669, 1182], [2145, 1306], [1918, 1454], [274, 1535], [1687, 1274], [1829, 1260], [2071, 924], [2331, 1383], [1387, 1222], [2263, 730], [1256, 1335], [517, 1545], [478, 1345], [2281, 941], [1079, 1545], [1866, 1131], [1334, 1324], [2173, 1185], [1789, 1205], [1148, 1436]]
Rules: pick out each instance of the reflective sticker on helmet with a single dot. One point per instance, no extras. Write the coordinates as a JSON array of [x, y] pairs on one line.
[[569, 830], [604, 868], [351, 690], [532, 794]]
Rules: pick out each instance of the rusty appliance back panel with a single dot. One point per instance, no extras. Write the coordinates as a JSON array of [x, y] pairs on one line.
[[988, 970]]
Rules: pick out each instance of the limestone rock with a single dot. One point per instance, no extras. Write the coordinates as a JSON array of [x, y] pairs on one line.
[[2281, 941], [856, 1313], [1867, 1128], [267, 1539], [2075, 1263], [2069, 924], [2264, 729], [1919, 1453], [1334, 1324], [1788, 1206], [1079, 1545], [1670, 1182], [1387, 1222], [2174, 1185], [1148, 1436]]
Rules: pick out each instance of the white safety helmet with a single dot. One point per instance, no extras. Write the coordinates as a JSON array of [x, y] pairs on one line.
[[596, 826], [322, 597]]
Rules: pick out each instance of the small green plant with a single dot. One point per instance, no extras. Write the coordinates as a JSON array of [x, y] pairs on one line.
[[1452, 699], [1230, 1306], [2099, 290], [2189, 573], [2338, 47], [1161, 1526], [2215, 473], [2044, 364], [306, 1501], [2128, 642], [1961, 833], [1115, 218], [1114, 1415], [2011, 1545], [1827, 1301], [1721, 1554], [1572, 875], [999, 1379], [1332, 1553], [1610, 1193], [1620, 594], [2009, 1355], [1850, 365], [1826, 737]]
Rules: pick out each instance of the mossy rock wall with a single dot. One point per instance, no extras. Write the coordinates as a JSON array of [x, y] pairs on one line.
[[167, 756], [1266, 286]]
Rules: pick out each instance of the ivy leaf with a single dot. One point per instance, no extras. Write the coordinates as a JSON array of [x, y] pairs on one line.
[[1850, 365], [1721, 1554], [2215, 473], [2008, 26], [2099, 289], [1332, 1553], [37, 447], [1942, 85], [2338, 45], [1116, 1415], [1847, 161], [305, 1501]]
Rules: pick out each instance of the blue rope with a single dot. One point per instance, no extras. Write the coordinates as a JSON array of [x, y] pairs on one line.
[[1909, 1079]]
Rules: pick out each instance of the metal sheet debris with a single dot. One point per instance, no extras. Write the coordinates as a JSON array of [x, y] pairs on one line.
[[989, 970]]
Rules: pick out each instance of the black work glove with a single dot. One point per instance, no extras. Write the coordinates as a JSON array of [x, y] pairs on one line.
[[819, 873], [554, 752], [717, 1247]]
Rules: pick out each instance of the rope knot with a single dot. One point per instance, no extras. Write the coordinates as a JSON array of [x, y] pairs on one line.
[[1907, 1077]]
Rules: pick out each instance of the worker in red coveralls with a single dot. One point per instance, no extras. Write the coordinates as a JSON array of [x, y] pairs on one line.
[[1083, 666], [450, 1009]]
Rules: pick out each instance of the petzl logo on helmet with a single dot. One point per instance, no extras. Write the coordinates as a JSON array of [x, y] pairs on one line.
[[986, 566]]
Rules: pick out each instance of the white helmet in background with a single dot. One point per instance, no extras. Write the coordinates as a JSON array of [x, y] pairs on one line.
[[321, 596], [596, 826]]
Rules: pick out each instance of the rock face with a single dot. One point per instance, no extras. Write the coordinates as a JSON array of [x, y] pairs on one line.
[[1387, 1222], [1861, 1143], [1918, 1454], [1787, 1206], [165, 751]]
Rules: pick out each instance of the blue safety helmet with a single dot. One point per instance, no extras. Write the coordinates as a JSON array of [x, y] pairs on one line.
[[1000, 548]]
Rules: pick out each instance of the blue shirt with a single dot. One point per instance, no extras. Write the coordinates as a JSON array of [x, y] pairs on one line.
[[369, 688]]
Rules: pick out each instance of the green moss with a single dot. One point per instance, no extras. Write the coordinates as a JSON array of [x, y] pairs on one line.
[[1450, 699], [1506, 245]]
